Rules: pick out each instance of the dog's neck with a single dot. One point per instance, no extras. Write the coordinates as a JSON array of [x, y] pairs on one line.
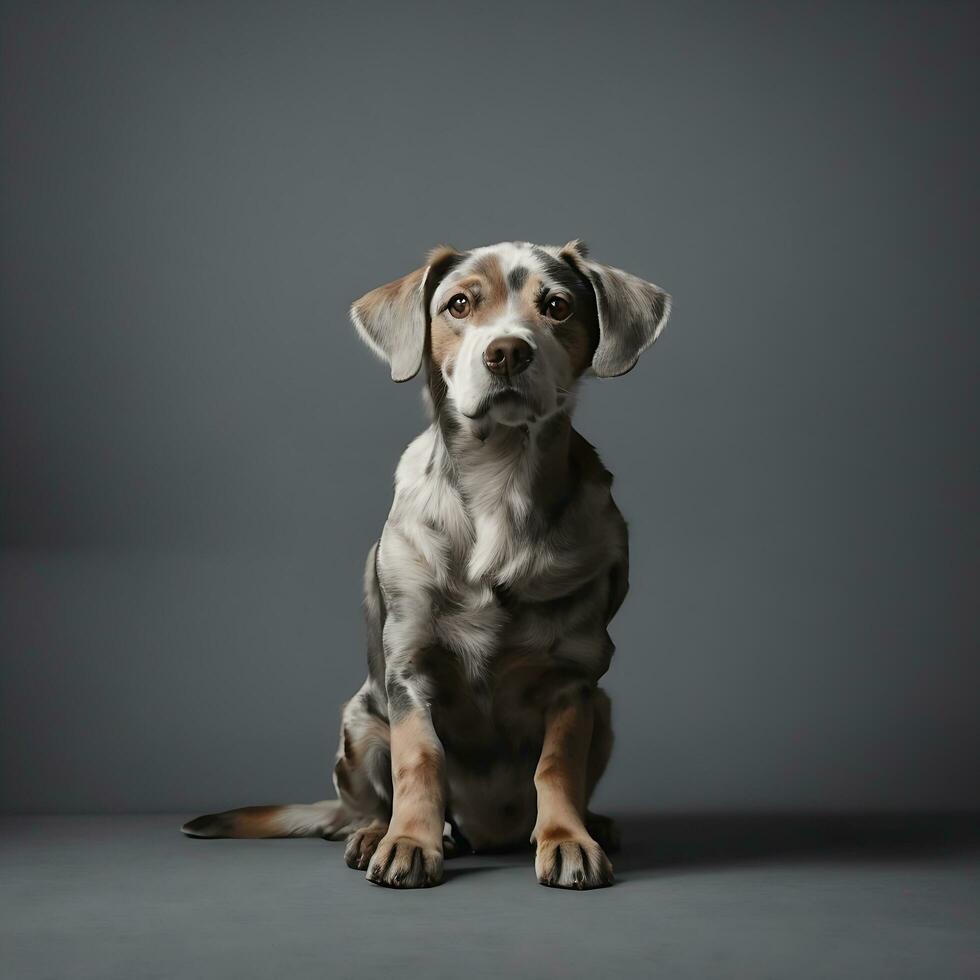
[[527, 467]]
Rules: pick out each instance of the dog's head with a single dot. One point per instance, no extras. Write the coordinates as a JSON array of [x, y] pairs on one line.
[[512, 327]]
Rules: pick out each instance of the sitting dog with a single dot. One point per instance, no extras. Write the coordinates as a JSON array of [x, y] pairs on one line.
[[488, 595]]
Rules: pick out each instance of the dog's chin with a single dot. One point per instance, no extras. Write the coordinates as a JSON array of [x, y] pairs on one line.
[[506, 406], [510, 408]]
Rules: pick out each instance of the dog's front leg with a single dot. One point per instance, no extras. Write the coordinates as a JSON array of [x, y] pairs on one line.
[[567, 856], [410, 854]]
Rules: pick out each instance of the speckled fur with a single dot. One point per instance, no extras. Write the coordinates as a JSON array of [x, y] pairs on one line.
[[490, 590]]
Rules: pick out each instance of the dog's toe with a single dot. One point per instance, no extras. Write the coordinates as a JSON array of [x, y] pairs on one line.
[[361, 845], [576, 863], [401, 862]]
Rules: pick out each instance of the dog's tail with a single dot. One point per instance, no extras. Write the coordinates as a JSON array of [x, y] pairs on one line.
[[328, 818]]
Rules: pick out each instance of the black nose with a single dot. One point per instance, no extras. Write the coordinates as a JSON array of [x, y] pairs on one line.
[[508, 355]]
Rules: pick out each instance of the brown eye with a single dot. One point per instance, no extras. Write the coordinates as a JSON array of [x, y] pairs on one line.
[[557, 308], [459, 306]]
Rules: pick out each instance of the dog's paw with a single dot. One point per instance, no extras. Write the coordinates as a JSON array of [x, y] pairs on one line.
[[603, 830], [362, 844], [572, 862], [403, 862]]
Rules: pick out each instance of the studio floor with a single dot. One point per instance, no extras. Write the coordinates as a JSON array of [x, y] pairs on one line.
[[706, 897]]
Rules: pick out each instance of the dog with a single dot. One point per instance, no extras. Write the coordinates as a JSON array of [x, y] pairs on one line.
[[488, 595]]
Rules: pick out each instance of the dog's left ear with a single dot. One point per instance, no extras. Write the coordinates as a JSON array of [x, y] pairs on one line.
[[632, 312], [393, 320]]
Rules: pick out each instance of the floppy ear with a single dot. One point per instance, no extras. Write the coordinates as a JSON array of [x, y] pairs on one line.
[[393, 320], [632, 312]]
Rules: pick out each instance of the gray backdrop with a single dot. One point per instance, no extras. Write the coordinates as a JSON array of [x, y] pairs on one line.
[[197, 451]]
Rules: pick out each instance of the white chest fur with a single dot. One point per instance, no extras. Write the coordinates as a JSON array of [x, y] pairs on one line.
[[459, 536]]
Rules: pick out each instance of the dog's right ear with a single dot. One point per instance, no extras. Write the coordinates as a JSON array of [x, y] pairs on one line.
[[393, 320], [632, 312]]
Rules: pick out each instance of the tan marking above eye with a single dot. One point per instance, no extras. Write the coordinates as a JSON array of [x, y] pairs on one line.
[[459, 306], [557, 308]]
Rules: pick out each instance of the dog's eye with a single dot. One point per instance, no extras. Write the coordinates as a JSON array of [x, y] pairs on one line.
[[459, 306], [557, 308]]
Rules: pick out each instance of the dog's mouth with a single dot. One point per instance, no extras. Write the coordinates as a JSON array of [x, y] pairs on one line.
[[506, 395]]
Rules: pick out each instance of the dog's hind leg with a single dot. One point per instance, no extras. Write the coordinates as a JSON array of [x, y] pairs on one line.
[[362, 775]]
